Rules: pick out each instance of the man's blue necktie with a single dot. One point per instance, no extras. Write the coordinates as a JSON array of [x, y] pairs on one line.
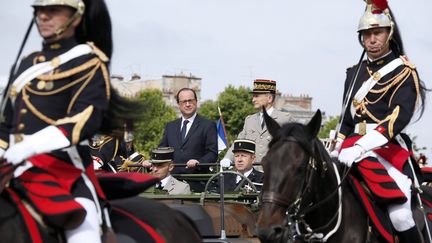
[[183, 130]]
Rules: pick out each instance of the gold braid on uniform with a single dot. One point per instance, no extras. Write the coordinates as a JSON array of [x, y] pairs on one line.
[[124, 167], [391, 120], [397, 81], [61, 75], [79, 120], [99, 144], [74, 98]]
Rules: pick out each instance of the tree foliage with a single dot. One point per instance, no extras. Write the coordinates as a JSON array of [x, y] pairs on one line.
[[235, 104], [328, 126], [150, 126]]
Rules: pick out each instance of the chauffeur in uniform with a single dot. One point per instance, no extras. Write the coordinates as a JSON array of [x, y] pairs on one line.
[[254, 129], [244, 156], [386, 93], [161, 165], [55, 104]]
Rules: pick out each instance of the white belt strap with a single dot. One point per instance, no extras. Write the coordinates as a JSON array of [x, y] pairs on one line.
[[364, 89], [45, 67]]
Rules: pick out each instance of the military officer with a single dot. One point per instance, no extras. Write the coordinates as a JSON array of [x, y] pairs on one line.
[[254, 129], [161, 165], [386, 93], [58, 99]]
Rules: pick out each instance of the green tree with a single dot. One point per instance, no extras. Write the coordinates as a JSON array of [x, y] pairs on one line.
[[235, 104], [328, 126], [149, 128]]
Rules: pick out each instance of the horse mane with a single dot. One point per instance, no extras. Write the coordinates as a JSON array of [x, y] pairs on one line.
[[311, 144]]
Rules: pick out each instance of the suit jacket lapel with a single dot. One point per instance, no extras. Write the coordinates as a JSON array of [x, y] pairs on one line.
[[178, 127]]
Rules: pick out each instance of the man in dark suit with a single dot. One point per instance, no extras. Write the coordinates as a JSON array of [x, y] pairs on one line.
[[192, 136], [244, 157]]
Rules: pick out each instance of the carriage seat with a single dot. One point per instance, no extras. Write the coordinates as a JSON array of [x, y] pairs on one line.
[[122, 184]]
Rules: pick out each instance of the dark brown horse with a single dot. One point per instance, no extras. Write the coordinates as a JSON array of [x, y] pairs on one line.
[[301, 198]]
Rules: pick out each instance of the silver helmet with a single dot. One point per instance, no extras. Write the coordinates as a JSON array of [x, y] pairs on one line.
[[75, 4], [377, 15], [78, 5]]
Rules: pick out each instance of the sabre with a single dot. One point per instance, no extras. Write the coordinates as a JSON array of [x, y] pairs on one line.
[[345, 101], [13, 71]]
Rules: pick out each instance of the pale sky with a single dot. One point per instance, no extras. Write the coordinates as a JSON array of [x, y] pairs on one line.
[[305, 46]]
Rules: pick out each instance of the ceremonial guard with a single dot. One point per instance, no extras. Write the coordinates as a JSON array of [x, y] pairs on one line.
[[57, 100], [382, 95]]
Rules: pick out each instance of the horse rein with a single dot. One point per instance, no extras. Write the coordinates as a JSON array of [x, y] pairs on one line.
[[294, 209]]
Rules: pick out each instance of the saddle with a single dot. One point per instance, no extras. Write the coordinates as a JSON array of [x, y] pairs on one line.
[[115, 186], [377, 211]]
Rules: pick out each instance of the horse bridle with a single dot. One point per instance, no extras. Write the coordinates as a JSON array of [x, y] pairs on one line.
[[295, 213]]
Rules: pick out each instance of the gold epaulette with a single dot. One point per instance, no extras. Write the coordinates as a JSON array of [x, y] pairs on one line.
[[407, 62], [98, 52]]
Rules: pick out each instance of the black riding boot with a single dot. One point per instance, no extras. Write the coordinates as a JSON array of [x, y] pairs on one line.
[[410, 236]]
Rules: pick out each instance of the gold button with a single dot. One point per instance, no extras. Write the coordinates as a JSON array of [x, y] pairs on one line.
[[23, 111], [21, 126]]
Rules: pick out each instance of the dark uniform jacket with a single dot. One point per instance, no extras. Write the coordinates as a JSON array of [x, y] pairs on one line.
[[200, 143], [389, 105], [73, 97], [231, 185]]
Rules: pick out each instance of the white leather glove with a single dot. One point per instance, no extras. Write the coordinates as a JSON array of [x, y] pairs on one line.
[[338, 145], [225, 163], [46, 140], [350, 155]]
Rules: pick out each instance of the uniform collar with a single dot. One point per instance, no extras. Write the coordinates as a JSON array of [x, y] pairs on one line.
[[382, 61], [269, 111], [63, 44], [165, 180]]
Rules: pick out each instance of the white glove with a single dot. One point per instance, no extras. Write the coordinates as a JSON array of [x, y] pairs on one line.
[[338, 145], [350, 155], [225, 163], [46, 140]]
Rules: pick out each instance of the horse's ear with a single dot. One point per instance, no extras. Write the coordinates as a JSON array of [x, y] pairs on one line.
[[272, 125], [314, 124]]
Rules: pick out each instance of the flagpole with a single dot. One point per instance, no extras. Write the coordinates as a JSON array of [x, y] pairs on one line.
[[223, 126]]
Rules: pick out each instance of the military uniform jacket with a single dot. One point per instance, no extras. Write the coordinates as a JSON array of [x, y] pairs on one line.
[[231, 183], [176, 187], [390, 103], [252, 131], [72, 97]]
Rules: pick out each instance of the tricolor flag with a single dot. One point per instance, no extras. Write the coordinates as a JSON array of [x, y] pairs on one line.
[[222, 139]]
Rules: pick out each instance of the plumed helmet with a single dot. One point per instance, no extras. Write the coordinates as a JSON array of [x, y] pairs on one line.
[[78, 5], [377, 15]]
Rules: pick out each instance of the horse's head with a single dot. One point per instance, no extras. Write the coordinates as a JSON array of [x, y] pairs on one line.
[[287, 167]]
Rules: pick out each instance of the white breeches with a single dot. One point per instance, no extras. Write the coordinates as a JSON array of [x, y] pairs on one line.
[[88, 231], [400, 214]]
